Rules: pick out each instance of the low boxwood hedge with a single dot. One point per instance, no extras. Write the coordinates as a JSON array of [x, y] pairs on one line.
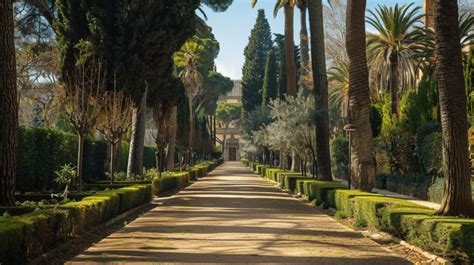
[[173, 180], [272, 173], [26, 236], [314, 189], [366, 208], [170, 181], [342, 199], [289, 181]]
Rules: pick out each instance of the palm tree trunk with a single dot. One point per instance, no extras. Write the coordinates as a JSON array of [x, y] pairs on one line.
[[362, 165], [457, 198], [137, 143], [304, 40], [8, 106], [172, 140], [290, 65], [290, 50], [320, 89], [394, 83]]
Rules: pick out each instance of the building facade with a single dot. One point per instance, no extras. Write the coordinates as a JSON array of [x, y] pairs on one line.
[[228, 138]]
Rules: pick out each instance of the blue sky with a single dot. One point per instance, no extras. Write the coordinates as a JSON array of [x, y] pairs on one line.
[[232, 29]]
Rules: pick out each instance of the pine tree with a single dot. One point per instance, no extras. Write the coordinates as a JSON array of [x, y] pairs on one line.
[[256, 52], [270, 82]]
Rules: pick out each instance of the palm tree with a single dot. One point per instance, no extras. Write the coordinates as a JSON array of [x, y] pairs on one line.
[[304, 43], [394, 50], [362, 165], [457, 198], [339, 88], [290, 65], [188, 60]]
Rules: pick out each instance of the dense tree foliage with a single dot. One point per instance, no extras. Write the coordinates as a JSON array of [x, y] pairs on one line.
[[256, 52]]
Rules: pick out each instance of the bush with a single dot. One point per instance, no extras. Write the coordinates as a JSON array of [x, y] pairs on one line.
[[340, 156], [367, 208], [429, 151], [343, 198], [41, 151], [318, 189], [174, 180], [26, 236], [289, 181]]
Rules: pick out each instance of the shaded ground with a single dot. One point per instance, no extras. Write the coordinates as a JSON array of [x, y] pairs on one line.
[[233, 216]]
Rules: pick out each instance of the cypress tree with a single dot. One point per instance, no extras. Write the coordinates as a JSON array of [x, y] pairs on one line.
[[260, 43], [282, 83], [270, 82]]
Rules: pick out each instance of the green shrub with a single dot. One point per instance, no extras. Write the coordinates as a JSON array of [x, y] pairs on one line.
[[272, 173], [391, 217], [342, 199], [450, 237], [15, 210], [429, 148], [41, 151], [26, 236], [340, 215], [380, 181], [340, 156], [318, 189], [367, 208], [289, 181]]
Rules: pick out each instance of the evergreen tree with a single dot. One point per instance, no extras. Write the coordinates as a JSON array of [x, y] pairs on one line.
[[260, 43], [270, 82], [280, 55]]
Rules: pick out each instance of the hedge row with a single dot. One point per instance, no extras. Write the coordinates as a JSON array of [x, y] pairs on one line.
[[42, 151], [174, 180], [26, 236], [446, 236]]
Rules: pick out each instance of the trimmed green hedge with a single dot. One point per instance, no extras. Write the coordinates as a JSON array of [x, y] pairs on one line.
[[26, 236], [449, 237], [314, 189], [245, 162], [41, 151], [174, 180], [170, 181]]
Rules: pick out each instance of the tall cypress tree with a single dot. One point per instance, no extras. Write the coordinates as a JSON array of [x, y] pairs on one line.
[[280, 55], [270, 82], [256, 52]]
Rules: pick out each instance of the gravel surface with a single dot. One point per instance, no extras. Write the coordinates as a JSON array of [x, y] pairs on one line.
[[233, 216]]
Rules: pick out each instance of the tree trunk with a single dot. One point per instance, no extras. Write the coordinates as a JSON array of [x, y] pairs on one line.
[[137, 143], [112, 162], [290, 50], [362, 163], [80, 160], [172, 140], [8, 106], [290, 65], [320, 89], [429, 19], [304, 45], [191, 128], [457, 198], [214, 130], [394, 83]]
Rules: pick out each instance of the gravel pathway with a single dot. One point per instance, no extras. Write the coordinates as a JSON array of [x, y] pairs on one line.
[[233, 216]]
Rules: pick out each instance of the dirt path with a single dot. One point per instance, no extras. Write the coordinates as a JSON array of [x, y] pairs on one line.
[[233, 216]]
